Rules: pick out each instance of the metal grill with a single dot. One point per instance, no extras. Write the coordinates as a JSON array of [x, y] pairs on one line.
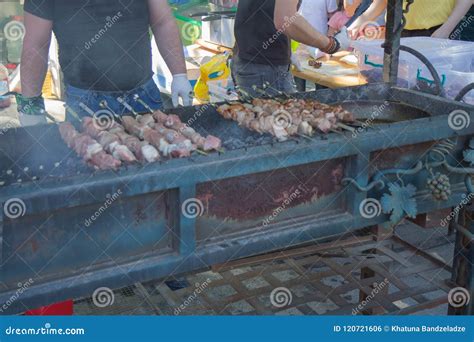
[[331, 278]]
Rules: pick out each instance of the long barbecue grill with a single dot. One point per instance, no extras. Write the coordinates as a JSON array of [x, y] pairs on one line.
[[66, 230], [77, 229]]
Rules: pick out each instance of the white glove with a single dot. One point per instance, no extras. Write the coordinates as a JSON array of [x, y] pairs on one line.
[[343, 39], [32, 120], [315, 52], [296, 62], [180, 87]]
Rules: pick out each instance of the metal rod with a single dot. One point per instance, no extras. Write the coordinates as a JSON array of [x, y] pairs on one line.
[[86, 109], [431, 68], [391, 46], [464, 232], [201, 152], [279, 92], [73, 112], [103, 104], [127, 106], [245, 94], [49, 116], [348, 128], [137, 98], [464, 91]]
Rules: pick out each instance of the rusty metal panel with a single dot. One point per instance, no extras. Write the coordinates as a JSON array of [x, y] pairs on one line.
[[261, 200]]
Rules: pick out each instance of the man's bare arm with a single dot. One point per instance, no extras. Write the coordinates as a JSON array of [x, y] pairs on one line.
[[167, 36], [288, 21], [34, 56]]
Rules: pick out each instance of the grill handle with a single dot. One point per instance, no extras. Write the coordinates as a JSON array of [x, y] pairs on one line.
[[464, 92], [431, 68]]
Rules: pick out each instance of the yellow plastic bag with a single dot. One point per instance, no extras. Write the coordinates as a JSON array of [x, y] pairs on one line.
[[215, 69]]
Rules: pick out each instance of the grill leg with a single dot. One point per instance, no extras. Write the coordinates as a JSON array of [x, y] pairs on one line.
[[185, 211], [380, 233], [1, 243], [463, 262]]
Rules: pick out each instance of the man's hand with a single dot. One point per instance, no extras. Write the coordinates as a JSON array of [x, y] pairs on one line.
[[31, 110], [343, 39], [180, 87]]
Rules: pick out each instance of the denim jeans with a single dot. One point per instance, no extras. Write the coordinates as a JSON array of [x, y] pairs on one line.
[[246, 75], [148, 92]]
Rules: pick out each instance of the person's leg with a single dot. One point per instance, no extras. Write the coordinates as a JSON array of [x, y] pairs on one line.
[[247, 75], [285, 81], [148, 94], [75, 100], [79, 99]]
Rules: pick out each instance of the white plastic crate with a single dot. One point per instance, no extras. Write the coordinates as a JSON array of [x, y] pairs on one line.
[[444, 54], [455, 81]]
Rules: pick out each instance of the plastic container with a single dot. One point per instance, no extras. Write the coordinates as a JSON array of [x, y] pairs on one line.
[[5, 101], [457, 80], [444, 54]]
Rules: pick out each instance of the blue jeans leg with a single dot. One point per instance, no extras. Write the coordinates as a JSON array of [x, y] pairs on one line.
[[247, 75], [77, 98]]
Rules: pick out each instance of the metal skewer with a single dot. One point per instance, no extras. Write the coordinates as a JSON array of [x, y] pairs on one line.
[[73, 112], [127, 106], [343, 126], [103, 104], [86, 109], [279, 92], [245, 94], [137, 98]]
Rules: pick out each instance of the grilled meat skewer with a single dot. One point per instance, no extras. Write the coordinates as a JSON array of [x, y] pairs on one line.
[[86, 147], [207, 144], [109, 141]]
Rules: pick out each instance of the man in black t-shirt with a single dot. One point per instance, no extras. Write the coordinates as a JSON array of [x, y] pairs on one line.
[[104, 53], [263, 29]]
